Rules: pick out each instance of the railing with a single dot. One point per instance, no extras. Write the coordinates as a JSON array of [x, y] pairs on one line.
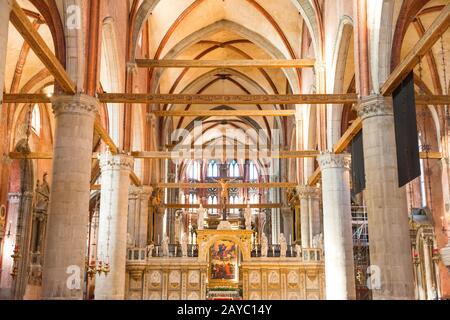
[[142, 254], [274, 251]]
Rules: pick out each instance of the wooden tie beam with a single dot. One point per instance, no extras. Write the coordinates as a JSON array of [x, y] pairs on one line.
[[23, 25], [220, 154], [222, 99], [225, 113], [266, 185], [218, 206], [273, 64], [250, 99], [424, 45]]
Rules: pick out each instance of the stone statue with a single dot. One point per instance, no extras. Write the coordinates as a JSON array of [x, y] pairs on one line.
[[298, 250], [178, 218], [42, 194], [317, 241], [264, 245], [165, 246], [283, 245], [248, 217], [150, 248], [130, 241], [184, 245], [200, 217]]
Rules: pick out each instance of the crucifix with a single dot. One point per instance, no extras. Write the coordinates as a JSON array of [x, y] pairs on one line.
[[224, 185]]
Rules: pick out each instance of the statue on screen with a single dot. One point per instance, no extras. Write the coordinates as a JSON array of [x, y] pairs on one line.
[[248, 217], [283, 245], [200, 217], [184, 245], [165, 246], [264, 245]]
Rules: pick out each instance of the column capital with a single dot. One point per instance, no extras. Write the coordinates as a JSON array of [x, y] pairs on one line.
[[306, 192], [375, 106], [142, 192], [75, 104], [108, 161], [333, 160]]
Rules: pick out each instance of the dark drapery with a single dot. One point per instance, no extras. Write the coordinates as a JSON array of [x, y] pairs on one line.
[[358, 173], [406, 136]]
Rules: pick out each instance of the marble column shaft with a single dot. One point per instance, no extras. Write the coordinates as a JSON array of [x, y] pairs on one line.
[[309, 214], [337, 221], [138, 211], [112, 235], [390, 246], [65, 254]]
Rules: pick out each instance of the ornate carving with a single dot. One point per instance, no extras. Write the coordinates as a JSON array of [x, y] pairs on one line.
[[108, 161], [77, 104], [332, 160], [306, 192], [375, 106]]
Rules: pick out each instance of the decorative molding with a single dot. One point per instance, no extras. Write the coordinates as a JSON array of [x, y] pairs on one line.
[[307, 192], [332, 160], [375, 106], [77, 104], [108, 161]]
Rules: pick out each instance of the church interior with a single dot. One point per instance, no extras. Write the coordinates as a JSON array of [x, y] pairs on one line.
[[224, 150]]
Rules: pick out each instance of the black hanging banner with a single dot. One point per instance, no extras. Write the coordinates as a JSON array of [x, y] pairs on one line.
[[406, 136], [358, 172]]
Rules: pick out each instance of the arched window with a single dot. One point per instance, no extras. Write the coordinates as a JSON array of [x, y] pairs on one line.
[[213, 169], [212, 199], [36, 120], [233, 169], [194, 171], [253, 173]]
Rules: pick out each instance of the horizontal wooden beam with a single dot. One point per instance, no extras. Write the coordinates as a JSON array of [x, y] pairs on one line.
[[23, 25], [220, 154], [433, 100], [223, 99], [225, 113], [424, 45], [250, 99], [231, 206], [295, 63], [240, 185]]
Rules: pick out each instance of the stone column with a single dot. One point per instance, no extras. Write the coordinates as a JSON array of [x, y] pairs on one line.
[[287, 224], [390, 247], [65, 254], [337, 224], [112, 232], [138, 211], [5, 10], [304, 216], [314, 212], [309, 213]]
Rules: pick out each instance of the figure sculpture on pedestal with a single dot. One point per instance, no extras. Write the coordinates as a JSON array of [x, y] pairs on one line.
[[248, 217], [283, 245], [264, 245], [184, 245], [165, 246], [200, 217]]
